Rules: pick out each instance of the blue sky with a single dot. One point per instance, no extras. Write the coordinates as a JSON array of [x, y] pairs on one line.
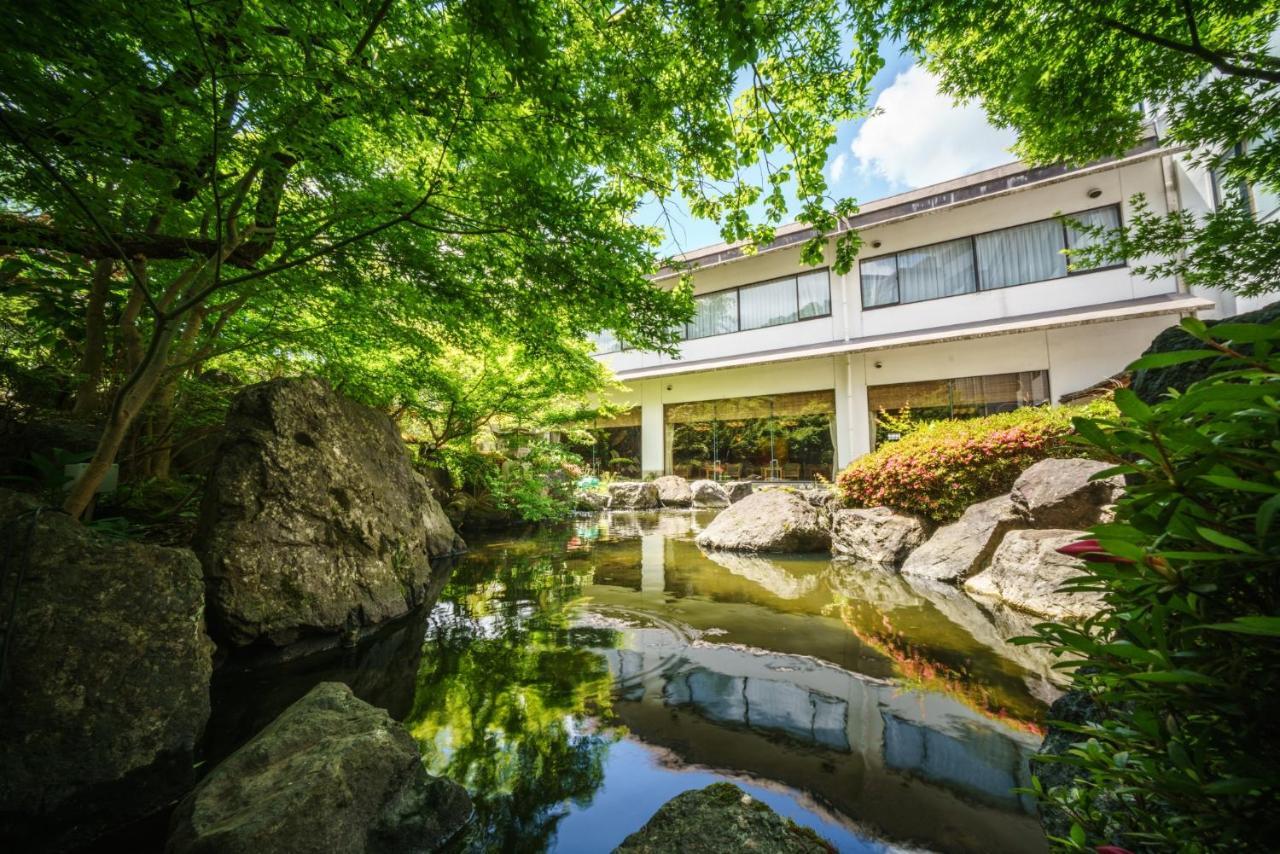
[[919, 137]]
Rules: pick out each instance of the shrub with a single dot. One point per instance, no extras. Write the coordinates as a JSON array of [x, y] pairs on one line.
[[1184, 658], [942, 467]]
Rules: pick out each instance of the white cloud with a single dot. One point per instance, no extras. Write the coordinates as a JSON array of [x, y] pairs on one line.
[[919, 136], [838, 165]]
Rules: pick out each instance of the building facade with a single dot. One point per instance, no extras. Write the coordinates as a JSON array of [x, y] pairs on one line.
[[960, 303]]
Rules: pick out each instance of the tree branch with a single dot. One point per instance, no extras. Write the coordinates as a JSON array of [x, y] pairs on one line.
[[1217, 60]]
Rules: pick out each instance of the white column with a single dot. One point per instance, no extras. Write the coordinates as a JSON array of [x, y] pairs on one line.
[[856, 431], [652, 460]]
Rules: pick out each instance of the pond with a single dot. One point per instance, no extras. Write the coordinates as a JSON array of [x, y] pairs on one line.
[[576, 679]]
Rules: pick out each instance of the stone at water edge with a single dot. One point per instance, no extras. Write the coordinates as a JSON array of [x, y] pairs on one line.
[[877, 536], [738, 490], [1059, 494], [633, 495], [331, 773], [770, 521], [1026, 572], [107, 690], [314, 521], [721, 819], [673, 491], [959, 550], [708, 493], [591, 502]]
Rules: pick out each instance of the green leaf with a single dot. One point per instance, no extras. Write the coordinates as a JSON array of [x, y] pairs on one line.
[[1131, 405], [1078, 836], [1267, 626], [1173, 357], [1228, 482], [1174, 677], [1225, 540]]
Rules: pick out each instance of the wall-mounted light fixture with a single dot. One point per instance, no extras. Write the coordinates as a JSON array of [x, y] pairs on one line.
[[1093, 192], [875, 244], [668, 386], [878, 364]]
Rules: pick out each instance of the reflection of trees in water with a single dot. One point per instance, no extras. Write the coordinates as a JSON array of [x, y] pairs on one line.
[[505, 694]]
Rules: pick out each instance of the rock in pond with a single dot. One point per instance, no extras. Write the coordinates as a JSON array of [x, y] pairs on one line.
[[1026, 572], [959, 550], [633, 495], [738, 490], [708, 493], [591, 502], [106, 689], [331, 773], [771, 521], [721, 819], [876, 536], [1059, 494], [674, 491], [314, 521]]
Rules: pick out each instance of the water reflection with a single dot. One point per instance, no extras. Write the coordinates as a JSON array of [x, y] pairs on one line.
[[564, 668]]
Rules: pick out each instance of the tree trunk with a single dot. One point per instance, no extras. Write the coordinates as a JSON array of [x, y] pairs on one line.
[[92, 360], [162, 436]]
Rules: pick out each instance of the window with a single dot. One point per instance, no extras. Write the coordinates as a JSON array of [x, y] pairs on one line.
[[606, 342], [768, 304], [814, 290], [961, 397], [714, 314], [772, 303], [997, 259]]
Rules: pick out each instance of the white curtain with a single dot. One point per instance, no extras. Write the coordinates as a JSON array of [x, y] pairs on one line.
[[942, 270], [1016, 256], [815, 294], [1108, 217], [768, 304], [716, 313], [879, 281]]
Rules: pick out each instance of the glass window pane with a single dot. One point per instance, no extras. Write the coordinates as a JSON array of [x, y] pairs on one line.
[[1108, 217], [715, 314], [1016, 256], [879, 281], [768, 304], [943, 270], [606, 342], [815, 294]]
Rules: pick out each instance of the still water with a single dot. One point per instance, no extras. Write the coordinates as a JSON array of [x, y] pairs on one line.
[[576, 680]]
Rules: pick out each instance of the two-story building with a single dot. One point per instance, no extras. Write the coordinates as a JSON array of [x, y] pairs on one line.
[[961, 303]]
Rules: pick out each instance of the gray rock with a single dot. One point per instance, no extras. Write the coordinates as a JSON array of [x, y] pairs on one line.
[[1026, 572], [591, 502], [331, 773], [708, 493], [737, 490], [877, 536], [106, 691], [959, 550], [1059, 494], [673, 491], [633, 495], [721, 819], [771, 521], [313, 520]]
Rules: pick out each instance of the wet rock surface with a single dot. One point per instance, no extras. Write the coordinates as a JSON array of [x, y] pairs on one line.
[[314, 521], [1060, 494], [877, 536], [737, 490], [721, 819], [331, 773], [961, 549], [591, 502], [1026, 572], [673, 491], [633, 495], [106, 685], [708, 493], [770, 521]]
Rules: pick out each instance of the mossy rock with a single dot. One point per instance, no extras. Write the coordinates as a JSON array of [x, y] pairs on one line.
[[721, 819]]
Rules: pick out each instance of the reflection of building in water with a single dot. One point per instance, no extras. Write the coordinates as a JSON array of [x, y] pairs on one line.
[[769, 704], [982, 762]]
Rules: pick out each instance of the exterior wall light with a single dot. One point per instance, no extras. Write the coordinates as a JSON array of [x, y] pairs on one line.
[[1093, 192]]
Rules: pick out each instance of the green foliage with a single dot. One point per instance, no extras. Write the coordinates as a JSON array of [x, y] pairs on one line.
[[1183, 657], [538, 486], [942, 467]]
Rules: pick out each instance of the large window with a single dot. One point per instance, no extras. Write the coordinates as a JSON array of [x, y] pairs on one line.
[[960, 397], [757, 306], [997, 259], [609, 445], [606, 342]]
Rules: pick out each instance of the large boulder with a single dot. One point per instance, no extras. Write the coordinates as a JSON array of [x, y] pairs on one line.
[[633, 495], [772, 521], [1026, 572], [876, 536], [959, 550], [1060, 494], [708, 493], [738, 490], [591, 502], [721, 819], [673, 491], [314, 521], [106, 689], [331, 773]]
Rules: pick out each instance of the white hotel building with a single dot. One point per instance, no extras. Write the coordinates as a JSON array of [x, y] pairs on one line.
[[960, 303]]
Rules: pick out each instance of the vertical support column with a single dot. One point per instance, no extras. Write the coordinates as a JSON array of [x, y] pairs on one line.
[[851, 404], [652, 439]]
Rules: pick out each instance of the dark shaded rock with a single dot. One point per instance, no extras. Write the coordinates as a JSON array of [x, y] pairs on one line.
[[1078, 709], [737, 490], [591, 502], [314, 521], [106, 686], [1152, 385], [1060, 494], [331, 773], [964, 547], [1026, 572], [633, 495], [721, 819], [674, 491], [770, 521], [876, 536], [708, 493]]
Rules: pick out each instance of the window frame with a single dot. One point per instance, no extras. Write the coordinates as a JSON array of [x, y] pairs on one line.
[[795, 281]]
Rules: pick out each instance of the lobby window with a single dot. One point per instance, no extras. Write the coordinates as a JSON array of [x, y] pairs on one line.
[[960, 397], [760, 305], [996, 259]]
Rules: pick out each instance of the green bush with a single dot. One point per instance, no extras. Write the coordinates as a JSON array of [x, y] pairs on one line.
[[942, 467], [1184, 658]]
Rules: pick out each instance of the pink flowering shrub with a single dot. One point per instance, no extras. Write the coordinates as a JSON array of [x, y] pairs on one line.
[[943, 467]]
